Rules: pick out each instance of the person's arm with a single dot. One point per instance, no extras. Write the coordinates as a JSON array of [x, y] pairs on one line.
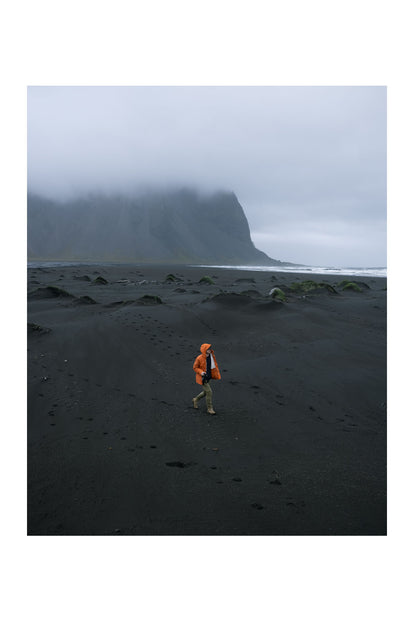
[[197, 368]]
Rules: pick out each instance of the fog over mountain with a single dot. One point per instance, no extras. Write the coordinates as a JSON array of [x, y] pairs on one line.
[[308, 164], [182, 226]]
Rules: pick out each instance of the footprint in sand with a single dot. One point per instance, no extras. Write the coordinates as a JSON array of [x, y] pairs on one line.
[[297, 506], [180, 464], [257, 505]]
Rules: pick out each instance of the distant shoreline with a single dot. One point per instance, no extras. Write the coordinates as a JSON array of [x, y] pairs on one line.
[[289, 268]]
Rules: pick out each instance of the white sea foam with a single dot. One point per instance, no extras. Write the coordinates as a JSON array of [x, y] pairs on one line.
[[306, 269]]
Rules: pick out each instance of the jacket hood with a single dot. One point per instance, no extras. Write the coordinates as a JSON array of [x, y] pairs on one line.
[[204, 348]]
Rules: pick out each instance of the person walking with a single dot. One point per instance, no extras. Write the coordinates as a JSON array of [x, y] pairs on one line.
[[206, 369]]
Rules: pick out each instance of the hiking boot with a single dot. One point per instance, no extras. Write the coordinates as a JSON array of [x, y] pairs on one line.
[[210, 411], [195, 406]]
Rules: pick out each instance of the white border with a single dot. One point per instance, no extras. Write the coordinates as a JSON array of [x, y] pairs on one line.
[[227, 42]]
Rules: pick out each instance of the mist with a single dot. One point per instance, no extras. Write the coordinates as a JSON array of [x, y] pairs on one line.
[[308, 164]]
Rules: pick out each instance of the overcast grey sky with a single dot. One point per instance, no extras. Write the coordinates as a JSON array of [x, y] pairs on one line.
[[308, 164]]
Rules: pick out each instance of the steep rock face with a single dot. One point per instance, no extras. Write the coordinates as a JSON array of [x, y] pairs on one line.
[[175, 227]]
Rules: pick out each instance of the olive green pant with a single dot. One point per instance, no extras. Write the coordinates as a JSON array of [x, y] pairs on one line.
[[208, 394]]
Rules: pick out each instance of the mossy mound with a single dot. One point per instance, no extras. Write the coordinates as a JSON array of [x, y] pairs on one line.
[[100, 281], [50, 292], [278, 294], [304, 286], [171, 278], [362, 285], [352, 286], [206, 280], [310, 286]]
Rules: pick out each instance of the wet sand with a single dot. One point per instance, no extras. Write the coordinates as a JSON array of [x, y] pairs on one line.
[[298, 445]]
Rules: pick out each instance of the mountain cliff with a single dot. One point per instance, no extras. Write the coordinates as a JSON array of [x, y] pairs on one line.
[[158, 227]]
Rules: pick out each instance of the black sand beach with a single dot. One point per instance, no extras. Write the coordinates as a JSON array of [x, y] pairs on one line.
[[298, 445]]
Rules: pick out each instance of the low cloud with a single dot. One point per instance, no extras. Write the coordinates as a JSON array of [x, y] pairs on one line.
[[308, 164]]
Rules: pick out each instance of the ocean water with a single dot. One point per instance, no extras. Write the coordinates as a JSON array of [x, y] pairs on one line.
[[309, 270]]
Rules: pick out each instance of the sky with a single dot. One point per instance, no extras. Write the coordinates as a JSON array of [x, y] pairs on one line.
[[307, 164]]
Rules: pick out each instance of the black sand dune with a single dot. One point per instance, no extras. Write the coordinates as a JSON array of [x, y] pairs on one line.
[[49, 292], [298, 445]]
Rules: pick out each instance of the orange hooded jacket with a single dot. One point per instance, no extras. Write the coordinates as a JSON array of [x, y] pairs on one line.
[[200, 364]]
